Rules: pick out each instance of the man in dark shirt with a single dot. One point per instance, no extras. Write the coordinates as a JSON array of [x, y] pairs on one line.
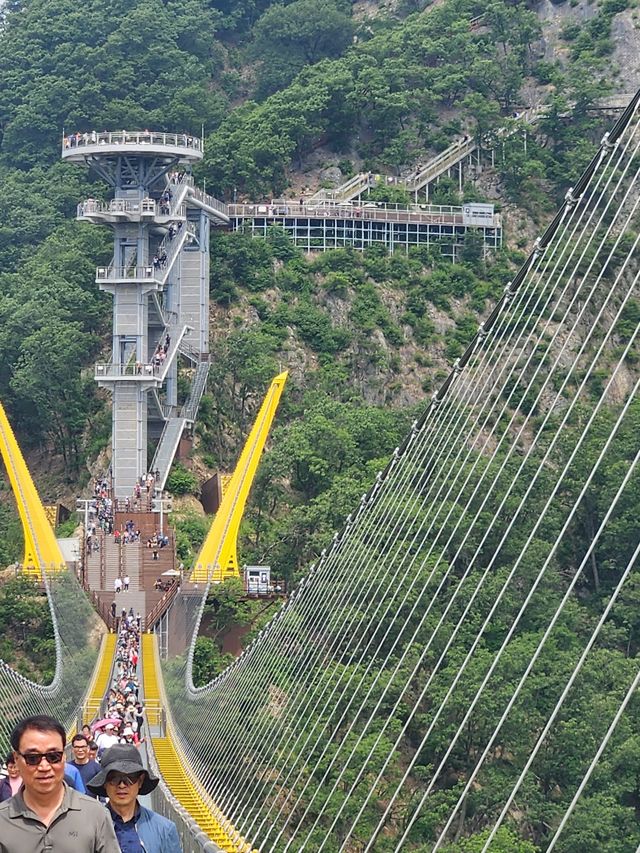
[[85, 765]]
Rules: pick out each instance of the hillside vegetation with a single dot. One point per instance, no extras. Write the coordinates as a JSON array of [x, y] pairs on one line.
[[285, 91], [274, 87]]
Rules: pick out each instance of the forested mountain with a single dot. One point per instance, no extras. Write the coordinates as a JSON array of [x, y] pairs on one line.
[[290, 94], [283, 91]]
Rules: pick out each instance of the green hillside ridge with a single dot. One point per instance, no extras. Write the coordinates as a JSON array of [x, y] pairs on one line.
[[355, 330], [288, 93]]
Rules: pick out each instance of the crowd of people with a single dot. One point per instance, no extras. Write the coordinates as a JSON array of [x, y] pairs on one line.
[[130, 534], [75, 140], [165, 201], [87, 803], [124, 715], [161, 351], [156, 543], [160, 259]]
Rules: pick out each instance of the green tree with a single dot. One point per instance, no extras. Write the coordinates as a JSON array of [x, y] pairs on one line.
[[289, 37]]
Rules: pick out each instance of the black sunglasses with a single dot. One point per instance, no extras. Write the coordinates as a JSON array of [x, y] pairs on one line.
[[126, 779], [54, 756]]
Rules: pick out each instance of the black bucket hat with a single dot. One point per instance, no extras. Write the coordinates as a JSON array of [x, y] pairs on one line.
[[125, 758]]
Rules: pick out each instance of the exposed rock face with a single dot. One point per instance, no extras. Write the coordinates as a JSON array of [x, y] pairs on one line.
[[625, 35], [331, 174]]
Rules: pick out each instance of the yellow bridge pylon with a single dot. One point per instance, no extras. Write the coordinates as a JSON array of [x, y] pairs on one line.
[[218, 559], [41, 549]]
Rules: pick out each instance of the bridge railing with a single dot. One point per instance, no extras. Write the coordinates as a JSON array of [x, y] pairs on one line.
[[128, 137], [192, 838]]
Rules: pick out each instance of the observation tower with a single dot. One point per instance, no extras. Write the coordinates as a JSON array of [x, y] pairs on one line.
[[159, 280]]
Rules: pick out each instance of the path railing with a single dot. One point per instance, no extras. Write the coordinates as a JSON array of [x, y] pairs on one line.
[[128, 137]]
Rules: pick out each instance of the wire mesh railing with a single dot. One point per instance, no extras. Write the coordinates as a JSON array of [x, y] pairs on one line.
[[416, 643]]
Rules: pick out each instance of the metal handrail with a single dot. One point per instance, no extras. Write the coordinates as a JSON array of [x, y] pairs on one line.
[[128, 137], [209, 200], [113, 272], [161, 607], [372, 211], [147, 206], [103, 561], [138, 370], [116, 205], [463, 147], [108, 370], [190, 352], [346, 191], [449, 157], [104, 611], [173, 247]]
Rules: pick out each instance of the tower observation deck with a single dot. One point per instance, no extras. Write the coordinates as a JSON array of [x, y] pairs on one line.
[[159, 280]]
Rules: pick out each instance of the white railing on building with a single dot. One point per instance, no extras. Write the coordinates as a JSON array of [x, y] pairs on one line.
[[112, 273], [376, 211], [130, 370]]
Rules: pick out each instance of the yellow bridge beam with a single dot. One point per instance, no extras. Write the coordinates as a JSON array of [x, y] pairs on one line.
[[99, 683], [41, 550], [218, 559], [172, 764], [100, 680]]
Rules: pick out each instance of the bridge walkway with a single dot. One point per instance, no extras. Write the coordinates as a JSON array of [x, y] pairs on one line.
[[172, 766]]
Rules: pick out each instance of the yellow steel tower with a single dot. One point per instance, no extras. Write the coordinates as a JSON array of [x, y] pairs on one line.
[[218, 559], [41, 550]]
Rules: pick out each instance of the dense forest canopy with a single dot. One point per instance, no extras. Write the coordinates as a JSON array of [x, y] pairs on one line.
[[283, 90], [383, 95]]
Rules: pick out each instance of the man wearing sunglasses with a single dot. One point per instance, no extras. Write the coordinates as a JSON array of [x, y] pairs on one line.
[[46, 814], [122, 778]]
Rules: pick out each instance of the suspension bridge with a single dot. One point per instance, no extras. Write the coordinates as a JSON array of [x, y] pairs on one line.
[[393, 684]]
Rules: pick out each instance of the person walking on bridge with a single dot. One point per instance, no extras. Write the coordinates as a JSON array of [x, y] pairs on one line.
[[122, 778], [85, 765], [46, 814]]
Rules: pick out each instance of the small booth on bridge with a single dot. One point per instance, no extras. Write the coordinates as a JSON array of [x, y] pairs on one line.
[[257, 580]]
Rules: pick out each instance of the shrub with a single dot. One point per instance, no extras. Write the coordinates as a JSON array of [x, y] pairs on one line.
[[181, 481]]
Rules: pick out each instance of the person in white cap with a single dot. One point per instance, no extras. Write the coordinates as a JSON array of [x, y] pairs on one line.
[[107, 738], [128, 735]]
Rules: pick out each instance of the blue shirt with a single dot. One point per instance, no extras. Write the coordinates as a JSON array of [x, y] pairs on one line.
[[126, 832], [73, 778], [87, 772]]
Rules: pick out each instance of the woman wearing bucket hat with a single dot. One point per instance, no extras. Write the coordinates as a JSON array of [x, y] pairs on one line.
[[122, 778]]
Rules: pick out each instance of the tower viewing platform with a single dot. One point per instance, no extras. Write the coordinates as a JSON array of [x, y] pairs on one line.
[[159, 280], [77, 147]]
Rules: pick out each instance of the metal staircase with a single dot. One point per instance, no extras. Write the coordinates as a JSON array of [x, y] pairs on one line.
[[174, 426], [190, 408], [435, 168], [166, 450], [353, 188]]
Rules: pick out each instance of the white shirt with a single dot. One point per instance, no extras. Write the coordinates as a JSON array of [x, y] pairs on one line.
[[106, 740]]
